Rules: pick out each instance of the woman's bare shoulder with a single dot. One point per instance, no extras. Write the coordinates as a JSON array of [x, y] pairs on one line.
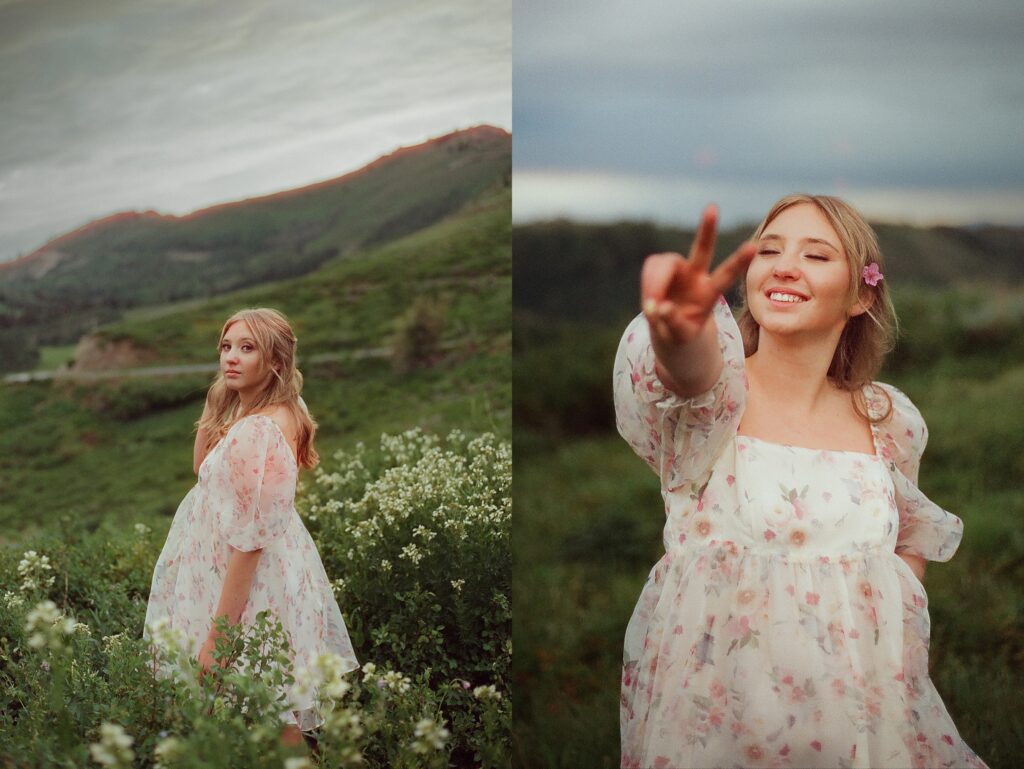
[[283, 417]]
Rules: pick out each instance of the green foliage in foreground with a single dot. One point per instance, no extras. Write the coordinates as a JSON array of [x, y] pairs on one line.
[[416, 534]]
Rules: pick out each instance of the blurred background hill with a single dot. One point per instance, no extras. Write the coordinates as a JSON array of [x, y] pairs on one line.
[[589, 513], [397, 283]]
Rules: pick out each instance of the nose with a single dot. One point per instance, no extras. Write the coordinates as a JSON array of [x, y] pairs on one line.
[[786, 265]]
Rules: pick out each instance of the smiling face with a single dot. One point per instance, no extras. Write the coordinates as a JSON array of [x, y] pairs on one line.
[[240, 360], [799, 281]]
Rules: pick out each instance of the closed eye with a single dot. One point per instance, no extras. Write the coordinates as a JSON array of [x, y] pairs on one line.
[[766, 252], [816, 256]]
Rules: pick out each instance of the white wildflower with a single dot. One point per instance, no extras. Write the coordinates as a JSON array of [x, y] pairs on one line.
[[487, 693], [168, 640], [13, 600], [114, 748], [110, 641], [412, 553], [142, 530], [167, 751], [48, 627], [35, 571], [423, 532], [429, 735], [385, 565], [458, 584], [326, 674], [298, 763], [395, 681]]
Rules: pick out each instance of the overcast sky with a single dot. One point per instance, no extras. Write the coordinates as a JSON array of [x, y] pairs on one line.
[[109, 105], [911, 110]]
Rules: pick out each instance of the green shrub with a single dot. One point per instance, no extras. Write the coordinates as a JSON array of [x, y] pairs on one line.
[[78, 682], [416, 340], [420, 534]]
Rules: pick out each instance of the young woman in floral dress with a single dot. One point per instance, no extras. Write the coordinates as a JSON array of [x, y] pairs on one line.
[[786, 624], [236, 545]]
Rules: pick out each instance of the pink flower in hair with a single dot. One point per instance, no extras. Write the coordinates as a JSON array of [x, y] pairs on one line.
[[872, 274]]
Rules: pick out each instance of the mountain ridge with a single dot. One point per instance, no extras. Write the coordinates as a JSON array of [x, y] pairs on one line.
[[480, 131], [138, 259]]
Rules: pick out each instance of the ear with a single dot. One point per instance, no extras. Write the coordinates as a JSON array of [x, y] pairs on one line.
[[864, 302]]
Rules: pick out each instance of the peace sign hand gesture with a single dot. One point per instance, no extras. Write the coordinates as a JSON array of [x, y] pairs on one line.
[[678, 297]]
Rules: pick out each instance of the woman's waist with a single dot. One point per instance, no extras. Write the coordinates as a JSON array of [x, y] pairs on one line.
[[684, 546]]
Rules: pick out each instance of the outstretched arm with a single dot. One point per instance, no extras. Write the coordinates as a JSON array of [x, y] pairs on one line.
[[678, 297]]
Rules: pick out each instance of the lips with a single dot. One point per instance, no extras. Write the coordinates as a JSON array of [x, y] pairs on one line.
[[774, 289], [797, 297]]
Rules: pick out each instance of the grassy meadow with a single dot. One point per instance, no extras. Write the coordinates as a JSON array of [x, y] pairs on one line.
[[121, 450], [589, 513]]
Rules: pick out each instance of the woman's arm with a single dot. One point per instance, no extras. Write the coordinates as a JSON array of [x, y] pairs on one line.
[[679, 297], [233, 597], [916, 564]]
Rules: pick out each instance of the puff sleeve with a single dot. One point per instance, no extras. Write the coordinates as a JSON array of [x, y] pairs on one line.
[[925, 529], [253, 495], [679, 438]]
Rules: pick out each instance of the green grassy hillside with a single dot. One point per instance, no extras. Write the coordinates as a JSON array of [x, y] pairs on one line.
[[132, 260], [122, 450]]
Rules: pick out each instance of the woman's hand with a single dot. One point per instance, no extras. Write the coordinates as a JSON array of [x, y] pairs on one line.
[[678, 296], [206, 660]]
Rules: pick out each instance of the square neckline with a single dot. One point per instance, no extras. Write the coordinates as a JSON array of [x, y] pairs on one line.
[[874, 435], [809, 448]]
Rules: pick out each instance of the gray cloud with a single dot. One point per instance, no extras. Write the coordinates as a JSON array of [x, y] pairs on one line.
[[799, 95], [177, 105]]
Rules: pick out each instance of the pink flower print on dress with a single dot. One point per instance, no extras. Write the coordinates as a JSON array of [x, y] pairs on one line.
[[872, 274], [796, 500], [754, 752]]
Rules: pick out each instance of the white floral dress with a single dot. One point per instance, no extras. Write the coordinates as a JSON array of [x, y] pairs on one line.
[[245, 499], [780, 628]]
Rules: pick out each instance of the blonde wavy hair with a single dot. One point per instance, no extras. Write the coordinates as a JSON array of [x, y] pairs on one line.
[[276, 344], [866, 338]]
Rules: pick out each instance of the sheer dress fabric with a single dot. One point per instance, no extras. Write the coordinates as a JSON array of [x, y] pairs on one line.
[[245, 499], [780, 628]]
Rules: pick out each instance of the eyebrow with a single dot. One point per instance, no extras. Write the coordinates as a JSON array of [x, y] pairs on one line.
[[805, 240], [243, 339]]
